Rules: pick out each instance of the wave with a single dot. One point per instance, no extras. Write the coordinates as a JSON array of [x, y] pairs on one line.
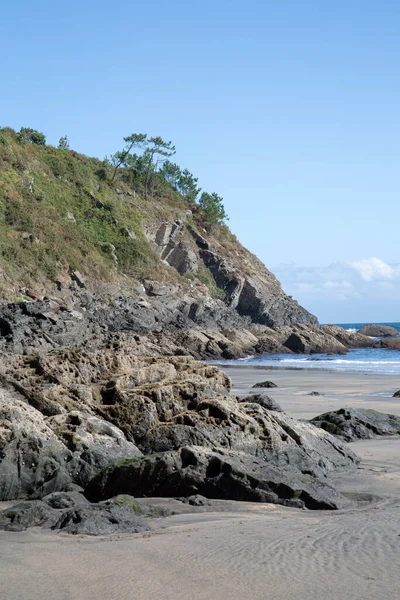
[[352, 330]]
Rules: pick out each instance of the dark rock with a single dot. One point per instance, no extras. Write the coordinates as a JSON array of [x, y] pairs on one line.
[[314, 394], [354, 424], [314, 342], [76, 515], [61, 500], [396, 394], [265, 384], [262, 400], [100, 520], [196, 500], [78, 278], [222, 474], [378, 330], [28, 514]]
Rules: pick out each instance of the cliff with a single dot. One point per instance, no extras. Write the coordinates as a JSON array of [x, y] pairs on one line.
[[67, 225]]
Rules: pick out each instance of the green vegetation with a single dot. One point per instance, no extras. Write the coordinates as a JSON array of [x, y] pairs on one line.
[[33, 136], [61, 210], [63, 144]]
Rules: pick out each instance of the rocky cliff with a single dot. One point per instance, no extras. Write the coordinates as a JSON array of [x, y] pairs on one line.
[[66, 225]]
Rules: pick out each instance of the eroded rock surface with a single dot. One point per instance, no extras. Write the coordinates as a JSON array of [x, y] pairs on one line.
[[68, 415]]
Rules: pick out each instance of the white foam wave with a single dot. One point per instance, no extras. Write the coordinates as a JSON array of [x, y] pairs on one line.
[[352, 330]]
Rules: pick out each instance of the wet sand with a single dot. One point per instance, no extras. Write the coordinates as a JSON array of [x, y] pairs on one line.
[[243, 551]]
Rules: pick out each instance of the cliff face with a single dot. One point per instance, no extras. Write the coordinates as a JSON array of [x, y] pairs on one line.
[[244, 283], [66, 229]]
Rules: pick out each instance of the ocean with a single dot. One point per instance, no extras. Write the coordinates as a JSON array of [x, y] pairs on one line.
[[360, 360]]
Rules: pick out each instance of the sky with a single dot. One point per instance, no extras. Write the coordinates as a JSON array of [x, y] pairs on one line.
[[289, 110]]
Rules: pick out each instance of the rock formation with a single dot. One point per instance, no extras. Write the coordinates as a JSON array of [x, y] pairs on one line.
[[358, 423], [68, 416], [378, 330]]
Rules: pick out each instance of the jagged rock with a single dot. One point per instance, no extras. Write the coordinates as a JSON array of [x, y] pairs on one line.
[[174, 247], [262, 400], [396, 394], [78, 278], [39, 455], [265, 384], [358, 423], [378, 331], [159, 404], [215, 474]]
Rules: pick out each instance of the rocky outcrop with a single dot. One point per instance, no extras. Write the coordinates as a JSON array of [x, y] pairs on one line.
[[348, 338], [39, 455], [72, 513], [391, 343], [223, 474], [378, 330], [68, 415], [248, 287], [355, 424]]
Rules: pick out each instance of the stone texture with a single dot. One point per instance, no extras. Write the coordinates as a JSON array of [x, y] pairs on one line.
[[223, 474], [354, 424]]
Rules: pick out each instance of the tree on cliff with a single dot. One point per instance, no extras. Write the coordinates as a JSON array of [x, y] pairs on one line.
[[183, 182], [119, 159], [155, 155], [63, 143], [213, 209], [33, 136]]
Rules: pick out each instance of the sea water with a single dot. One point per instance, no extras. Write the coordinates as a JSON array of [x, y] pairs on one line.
[[360, 360]]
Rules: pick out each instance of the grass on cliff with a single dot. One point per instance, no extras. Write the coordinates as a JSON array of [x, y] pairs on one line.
[[57, 213], [60, 211]]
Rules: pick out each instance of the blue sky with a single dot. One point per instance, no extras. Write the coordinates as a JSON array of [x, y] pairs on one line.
[[289, 110]]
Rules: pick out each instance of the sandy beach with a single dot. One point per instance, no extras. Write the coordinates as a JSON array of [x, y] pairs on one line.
[[241, 550]]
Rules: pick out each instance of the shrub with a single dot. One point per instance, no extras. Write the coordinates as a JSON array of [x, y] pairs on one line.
[[33, 136]]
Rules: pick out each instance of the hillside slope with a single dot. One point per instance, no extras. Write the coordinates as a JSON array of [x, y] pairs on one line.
[[62, 213]]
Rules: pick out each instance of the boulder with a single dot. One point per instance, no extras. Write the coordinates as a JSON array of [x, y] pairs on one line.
[[358, 423], [222, 474], [262, 400], [378, 330], [303, 341], [391, 343], [396, 394], [348, 338], [265, 384]]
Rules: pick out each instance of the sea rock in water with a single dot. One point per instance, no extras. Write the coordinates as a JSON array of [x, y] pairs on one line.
[[378, 330], [223, 474], [359, 423], [391, 343], [396, 394]]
